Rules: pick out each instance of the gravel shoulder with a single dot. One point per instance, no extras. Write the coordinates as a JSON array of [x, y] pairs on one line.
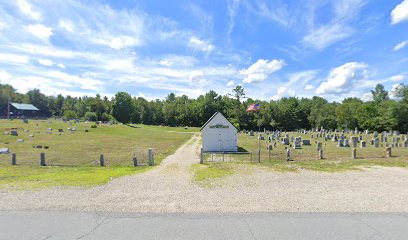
[[170, 188]]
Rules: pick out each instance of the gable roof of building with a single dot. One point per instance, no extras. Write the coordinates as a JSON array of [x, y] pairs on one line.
[[211, 118], [23, 106]]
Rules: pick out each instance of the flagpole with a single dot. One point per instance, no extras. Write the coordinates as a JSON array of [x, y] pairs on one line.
[[259, 140]]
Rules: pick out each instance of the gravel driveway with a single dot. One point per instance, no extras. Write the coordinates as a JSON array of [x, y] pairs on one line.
[[169, 188]]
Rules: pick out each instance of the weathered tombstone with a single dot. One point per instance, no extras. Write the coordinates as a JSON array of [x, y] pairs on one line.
[[13, 133], [306, 142], [288, 154], [334, 139], [251, 133], [388, 152], [42, 159], [60, 130], [346, 143], [20, 140], [13, 159], [376, 143], [102, 160], [354, 153], [319, 146], [39, 146], [340, 143], [285, 141], [363, 144], [361, 137], [4, 151], [25, 120], [297, 145], [320, 153]]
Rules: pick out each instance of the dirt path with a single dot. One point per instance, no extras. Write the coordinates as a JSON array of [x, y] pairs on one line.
[[169, 188]]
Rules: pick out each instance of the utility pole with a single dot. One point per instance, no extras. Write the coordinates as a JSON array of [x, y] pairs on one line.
[[8, 108]]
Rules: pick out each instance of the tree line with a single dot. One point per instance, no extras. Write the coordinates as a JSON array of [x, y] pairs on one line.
[[380, 114]]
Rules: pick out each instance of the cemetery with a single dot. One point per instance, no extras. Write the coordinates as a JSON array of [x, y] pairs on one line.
[[71, 147], [319, 150]]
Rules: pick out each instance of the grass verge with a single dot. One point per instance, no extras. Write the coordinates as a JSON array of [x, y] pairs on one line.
[[205, 174], [29, 177]]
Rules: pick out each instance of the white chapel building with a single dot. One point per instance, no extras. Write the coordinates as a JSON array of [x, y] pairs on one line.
[[219, 135]]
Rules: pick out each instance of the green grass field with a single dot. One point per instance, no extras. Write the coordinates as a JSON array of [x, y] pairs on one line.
[[72, 159]]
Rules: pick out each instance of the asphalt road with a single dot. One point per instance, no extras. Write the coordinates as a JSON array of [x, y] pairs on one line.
[[73, 225]]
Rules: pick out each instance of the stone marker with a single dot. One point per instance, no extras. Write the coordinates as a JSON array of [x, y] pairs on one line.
[[306, 142], [354, 153], [13, 133], [297, 145], [363, 144], [320, 153], [319, 146], [20, 140], [4, 151], [13, 159], [388, 152]]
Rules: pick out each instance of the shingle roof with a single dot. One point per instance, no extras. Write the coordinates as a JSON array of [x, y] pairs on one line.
[[23, 106]]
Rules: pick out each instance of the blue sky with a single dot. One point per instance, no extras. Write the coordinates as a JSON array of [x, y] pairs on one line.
[[149, 48]]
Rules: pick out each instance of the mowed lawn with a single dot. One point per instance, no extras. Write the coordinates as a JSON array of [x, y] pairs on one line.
[[73, 158], [335, 158]]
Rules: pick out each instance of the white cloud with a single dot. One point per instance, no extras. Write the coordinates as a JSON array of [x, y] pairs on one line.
[[196, 76], [166, 63], [67, 25], [60, 65], [394, 90], [201, 45], [397, 78], [260, 70], [283, 92], [230, 83], [3, 25], [367, 97], [123, 42], [232, 12], [400, 13], [45, 62], [40, 31], [13, 58], [327, 35], [400, 46], [309, 87], [27, 9], [342, 79]]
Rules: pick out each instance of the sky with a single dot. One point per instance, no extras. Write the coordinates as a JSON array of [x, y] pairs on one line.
[[149, 48]]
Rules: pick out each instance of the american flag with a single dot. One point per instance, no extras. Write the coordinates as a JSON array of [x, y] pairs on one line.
[[253, 107]]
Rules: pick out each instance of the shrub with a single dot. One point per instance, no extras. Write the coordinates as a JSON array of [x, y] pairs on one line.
[[70, 114], [94, 126], [90, 116]]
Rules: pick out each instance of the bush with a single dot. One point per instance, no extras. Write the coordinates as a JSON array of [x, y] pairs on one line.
[[94, 126], [90, 116], [70, 114], [106, 117]]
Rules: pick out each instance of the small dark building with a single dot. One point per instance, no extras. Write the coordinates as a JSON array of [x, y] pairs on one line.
[[21, 110]]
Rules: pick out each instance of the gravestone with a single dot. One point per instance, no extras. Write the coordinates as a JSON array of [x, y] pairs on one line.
[[25, 120], [346, 143], [335, 139], [60, 130], [13, 133], [363, 144], [4, 151], [297, 145], [251, 133], [376, 143], [31, 135], [340, 143], [319, 146], [285, 141], [6, 133], [20, 140], [306, 142]]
